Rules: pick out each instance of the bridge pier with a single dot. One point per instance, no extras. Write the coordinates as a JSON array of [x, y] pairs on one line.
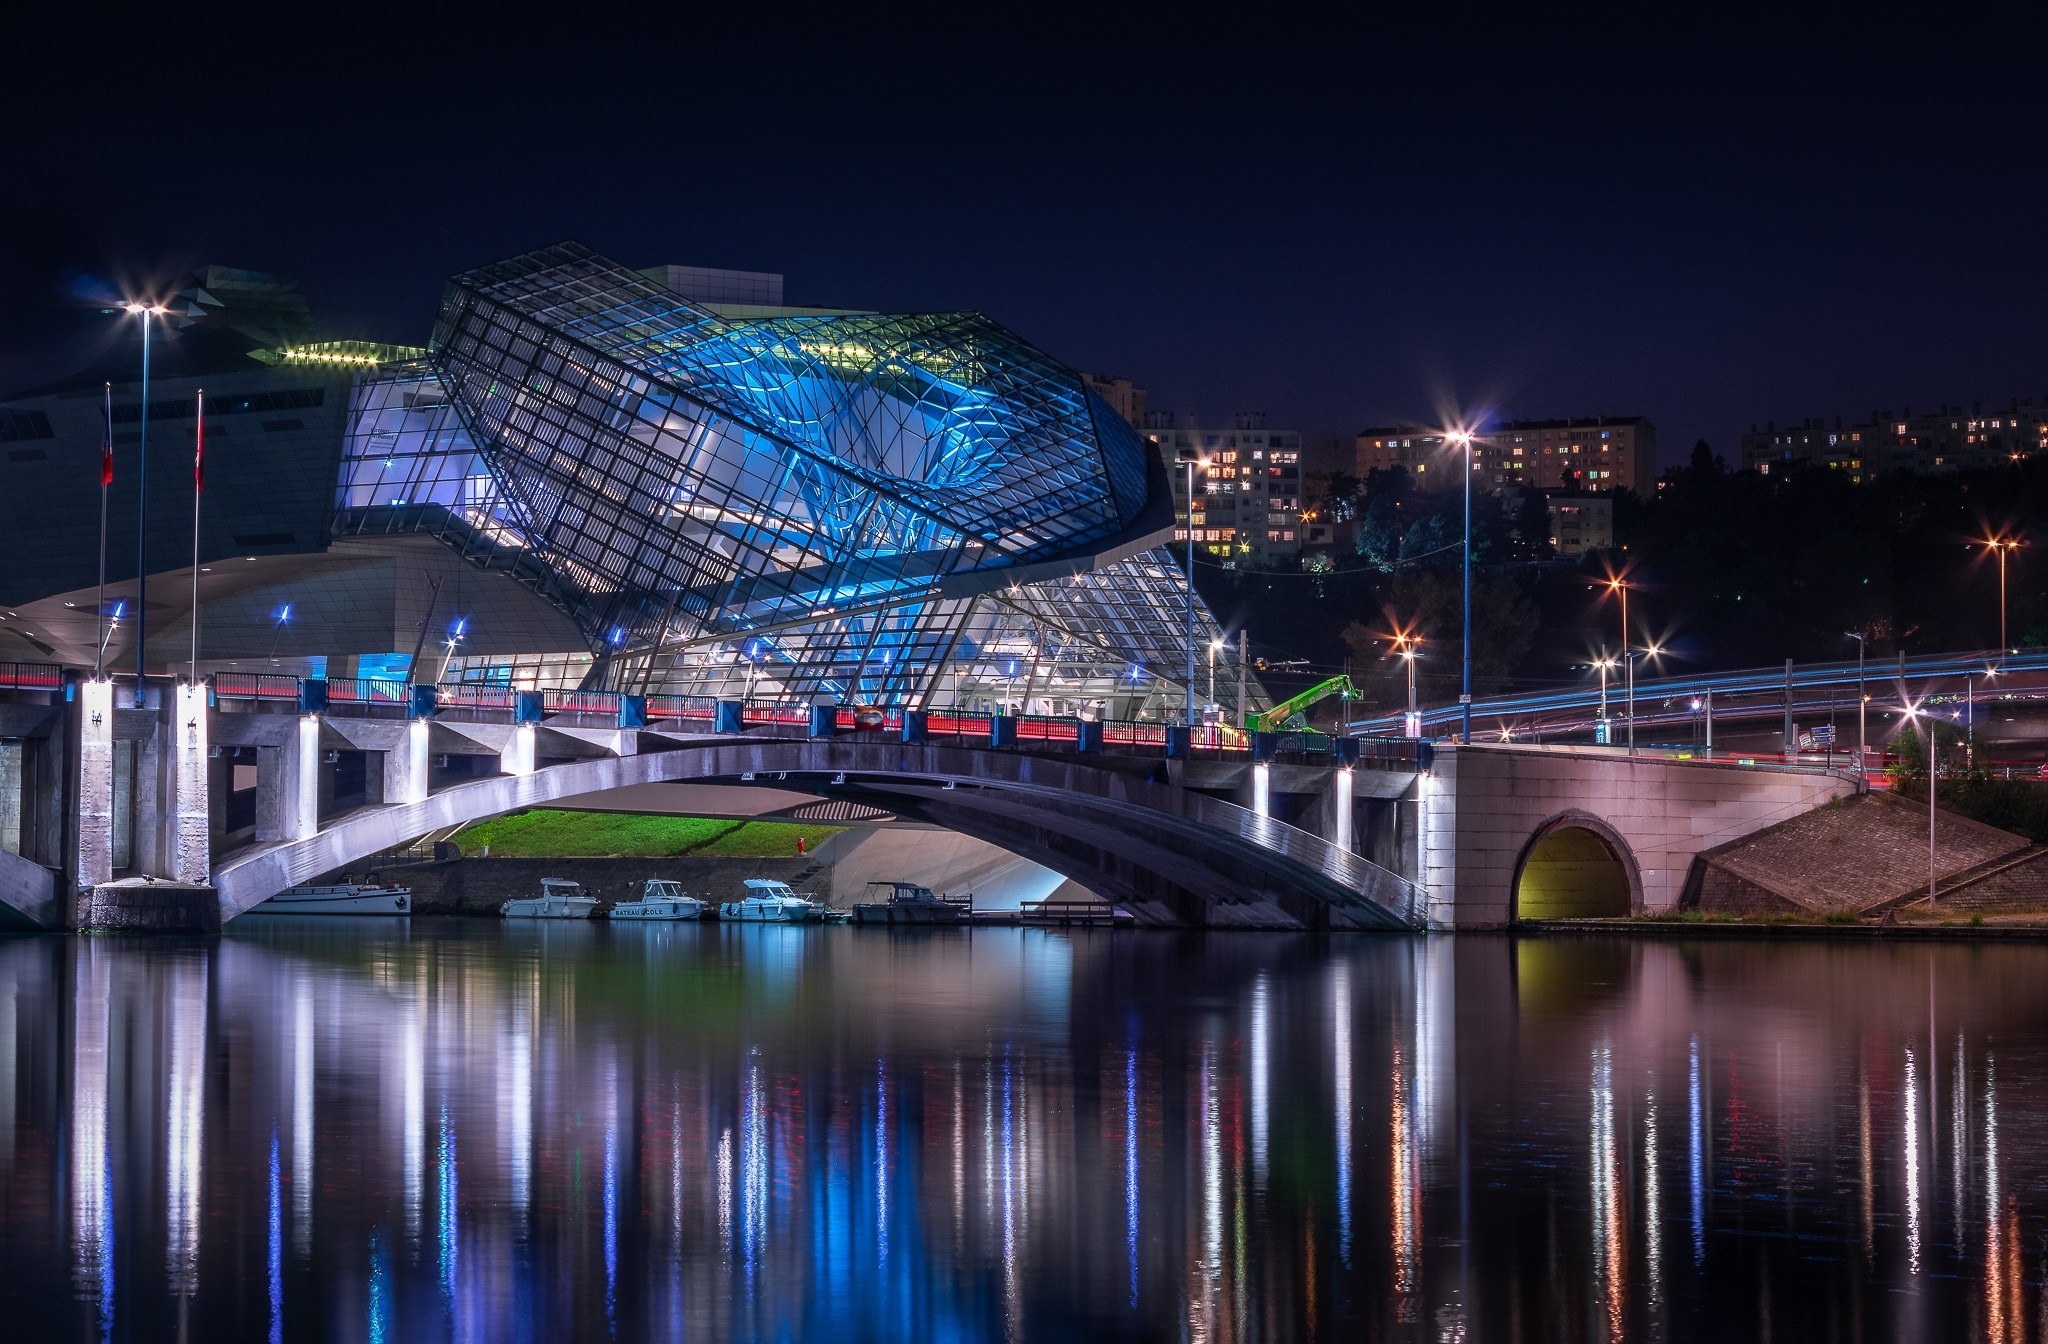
[[191, 857], [93, 860]]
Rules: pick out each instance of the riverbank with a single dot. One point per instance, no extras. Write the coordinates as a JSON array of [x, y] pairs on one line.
[[1989, 928], [541, 833], [478, 886]]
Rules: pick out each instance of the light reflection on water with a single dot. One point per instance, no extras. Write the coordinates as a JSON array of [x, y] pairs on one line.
[[356, 1130]]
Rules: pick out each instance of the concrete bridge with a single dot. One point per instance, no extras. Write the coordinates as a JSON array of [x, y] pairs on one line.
[[253, 784]]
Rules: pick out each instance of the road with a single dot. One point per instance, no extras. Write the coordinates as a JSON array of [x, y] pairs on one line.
[[2002, 698]]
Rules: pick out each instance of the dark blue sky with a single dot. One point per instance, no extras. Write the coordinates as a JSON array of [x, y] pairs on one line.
[[1338, 225]]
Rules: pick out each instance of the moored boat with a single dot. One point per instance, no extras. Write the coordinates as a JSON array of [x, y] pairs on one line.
[[909, 903], [341, 898], [771, 902], [559, 899], [661, 899]]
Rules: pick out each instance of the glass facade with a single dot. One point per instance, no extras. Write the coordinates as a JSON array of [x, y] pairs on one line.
[[911, 510]]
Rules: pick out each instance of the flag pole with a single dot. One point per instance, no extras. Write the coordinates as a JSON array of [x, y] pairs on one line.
[[198, 484], [99, 640]]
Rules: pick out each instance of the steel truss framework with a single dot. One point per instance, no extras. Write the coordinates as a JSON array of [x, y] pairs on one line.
[[903, 510]]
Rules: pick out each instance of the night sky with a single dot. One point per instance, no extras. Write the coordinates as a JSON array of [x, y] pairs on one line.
[[1337, 225]]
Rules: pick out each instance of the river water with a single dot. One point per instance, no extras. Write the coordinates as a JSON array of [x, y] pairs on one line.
[[364, 1130]]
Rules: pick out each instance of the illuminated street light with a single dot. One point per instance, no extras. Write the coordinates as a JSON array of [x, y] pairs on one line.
[[2001, 547], [1862, 700], [1605, 665], [1619, 584], [1405, 647], [1215, 647], [145, 311], [455, 635], [1913, 712], [1191, 461], [1463, 437]]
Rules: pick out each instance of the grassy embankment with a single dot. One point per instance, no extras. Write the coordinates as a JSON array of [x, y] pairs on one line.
[[547, 833]]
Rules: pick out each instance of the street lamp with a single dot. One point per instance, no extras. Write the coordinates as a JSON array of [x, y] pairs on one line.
[[2001, 546], [1605, 665], [1914, 712], [1618, 584], [145, 311], [1861, 698], [1463, 437], [1191, 461], [1404, 645], [455, 637]]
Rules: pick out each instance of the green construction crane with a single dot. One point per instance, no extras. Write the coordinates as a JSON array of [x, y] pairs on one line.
[[1280, 715]]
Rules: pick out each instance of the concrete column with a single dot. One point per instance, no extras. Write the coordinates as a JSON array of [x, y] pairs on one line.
[[1344, 808], [191, 847], [517, 758], [95, 859], [274, 792], [1262, 789], [303, 774], [150, 824], [407, 765]]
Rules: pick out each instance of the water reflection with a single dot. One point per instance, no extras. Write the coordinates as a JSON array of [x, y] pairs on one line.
[[465, 1132]]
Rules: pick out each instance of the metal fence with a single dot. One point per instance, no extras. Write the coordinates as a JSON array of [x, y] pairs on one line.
[[31, 677]]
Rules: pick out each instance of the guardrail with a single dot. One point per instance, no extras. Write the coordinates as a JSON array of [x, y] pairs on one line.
[[365, 691], [1877, 676], [255, 686], [681, 709], [31, 677], [469, 701]]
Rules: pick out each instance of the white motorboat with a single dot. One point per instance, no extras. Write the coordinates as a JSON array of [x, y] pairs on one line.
[[342, 898], [559, 899], [661, 899], [770, 902]]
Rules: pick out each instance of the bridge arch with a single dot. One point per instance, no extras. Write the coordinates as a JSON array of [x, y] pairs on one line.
[[1171, 856], [1575, 866]]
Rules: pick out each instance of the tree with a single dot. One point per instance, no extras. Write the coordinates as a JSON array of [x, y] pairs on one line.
[[1330, 495], [1379, 535], [1503, 622], [1426, 540]]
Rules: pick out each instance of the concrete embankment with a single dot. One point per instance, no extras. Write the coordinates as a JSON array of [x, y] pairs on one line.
[[1861, 858]]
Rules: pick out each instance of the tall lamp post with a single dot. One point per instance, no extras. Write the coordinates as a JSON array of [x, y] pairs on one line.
[[1605, 665], [1926, 718], [2001, 546], [1190, 461], [1861, 698], [1628, 660], [1463, 437], [145, 311], [1405, 646], [1215, 647]]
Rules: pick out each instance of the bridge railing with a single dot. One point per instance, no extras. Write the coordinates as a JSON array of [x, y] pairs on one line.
[[476, 702], [681, 709], [379, 698], [255, 686], [31, 677], [468, 701], [584, 708]]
